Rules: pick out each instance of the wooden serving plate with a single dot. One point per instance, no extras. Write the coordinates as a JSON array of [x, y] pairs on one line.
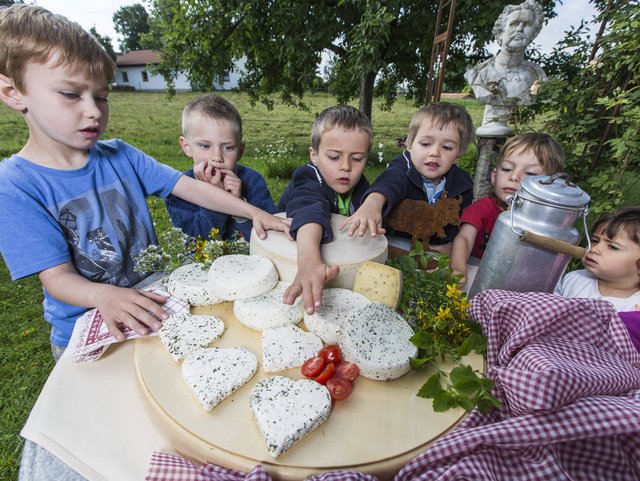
[[377, 430]]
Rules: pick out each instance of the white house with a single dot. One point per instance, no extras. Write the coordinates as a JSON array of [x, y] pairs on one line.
[[132, 70]]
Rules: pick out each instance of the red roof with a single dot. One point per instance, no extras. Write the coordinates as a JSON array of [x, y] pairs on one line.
[[137, 57]]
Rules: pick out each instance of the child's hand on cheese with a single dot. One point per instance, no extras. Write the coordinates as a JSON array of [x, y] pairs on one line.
[[309, 282]]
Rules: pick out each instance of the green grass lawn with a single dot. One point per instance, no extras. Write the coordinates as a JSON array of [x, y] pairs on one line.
[[151, 122]]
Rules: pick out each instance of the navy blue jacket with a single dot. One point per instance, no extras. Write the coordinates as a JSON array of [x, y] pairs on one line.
[[402, 181], [309, 200], [198, 221]]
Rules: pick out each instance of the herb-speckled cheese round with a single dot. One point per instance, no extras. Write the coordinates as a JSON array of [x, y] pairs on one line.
[[215, 373], [240, 276], [287, 410], [183, 333], [377, 339], [189, 283], [287, 347], [268, 311], [327, 320]]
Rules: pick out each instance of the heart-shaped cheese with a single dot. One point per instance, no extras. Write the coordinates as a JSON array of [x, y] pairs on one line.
[[189, 283], [268, 311], [286, 347], [215, 373], [184, 333], [239, 276], [287, 410]]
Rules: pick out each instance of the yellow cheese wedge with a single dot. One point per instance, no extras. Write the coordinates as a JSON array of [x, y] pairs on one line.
[[379, 283]]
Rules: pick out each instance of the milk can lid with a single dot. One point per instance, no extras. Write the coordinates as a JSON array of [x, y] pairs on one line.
[[556, 189]]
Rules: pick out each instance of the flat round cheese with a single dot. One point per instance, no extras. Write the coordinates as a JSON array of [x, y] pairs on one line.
[[215, 373], [344, 251], [240, 276], [184, 333], [327, 320], [268, 311], [189, 283], [377, 339]]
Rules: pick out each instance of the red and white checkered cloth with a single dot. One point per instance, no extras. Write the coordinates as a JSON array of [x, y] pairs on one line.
[[568, 376], [569, 379]]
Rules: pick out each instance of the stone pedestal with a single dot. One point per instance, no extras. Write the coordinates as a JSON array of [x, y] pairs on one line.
[[488, 149]]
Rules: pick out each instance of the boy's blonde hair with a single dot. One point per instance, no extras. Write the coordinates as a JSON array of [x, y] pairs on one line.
[[443, 114], [30, 34], [345, 116], [548, 152], [215, 107]]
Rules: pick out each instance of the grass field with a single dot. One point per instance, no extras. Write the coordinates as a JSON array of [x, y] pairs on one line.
[[151, 122]]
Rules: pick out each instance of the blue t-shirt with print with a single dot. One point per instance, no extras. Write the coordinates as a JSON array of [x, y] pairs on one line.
[[95, 217]]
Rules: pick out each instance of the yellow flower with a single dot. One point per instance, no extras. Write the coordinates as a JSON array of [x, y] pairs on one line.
[[214, 233], [452, 290], [443, 314]]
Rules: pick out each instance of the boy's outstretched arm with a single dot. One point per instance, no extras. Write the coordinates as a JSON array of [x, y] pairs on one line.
[[461, 250], [368, 216], [139, 310], [312, 273], [212, 198]]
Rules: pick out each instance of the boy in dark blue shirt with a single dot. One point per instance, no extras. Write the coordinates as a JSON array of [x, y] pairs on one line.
[[331, 183], [212, 137]]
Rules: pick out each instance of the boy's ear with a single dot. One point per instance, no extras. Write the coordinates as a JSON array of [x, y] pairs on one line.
[[185, 146], [313, 156], [9, 94], [493, 177]]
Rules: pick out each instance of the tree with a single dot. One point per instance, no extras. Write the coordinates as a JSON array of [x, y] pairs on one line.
[[105, 41], [388, 41], [131, 21], [592, 103]]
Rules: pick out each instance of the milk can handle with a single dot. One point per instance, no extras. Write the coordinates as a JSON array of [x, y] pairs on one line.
[[550, 243]]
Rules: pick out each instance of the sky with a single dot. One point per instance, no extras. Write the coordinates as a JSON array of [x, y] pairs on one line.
[[99, 13]]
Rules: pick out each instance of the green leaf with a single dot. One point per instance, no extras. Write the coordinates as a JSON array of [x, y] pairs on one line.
[[431, 388], [442, 401]]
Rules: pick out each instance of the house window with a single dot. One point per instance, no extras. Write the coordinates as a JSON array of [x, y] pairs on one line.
[[145, 76], [226, 76], [125, 77]]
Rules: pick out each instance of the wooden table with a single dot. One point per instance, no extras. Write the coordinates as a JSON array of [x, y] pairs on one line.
[[377, 430]]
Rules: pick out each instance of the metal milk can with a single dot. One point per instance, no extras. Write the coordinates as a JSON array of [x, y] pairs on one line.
[[532, 242]]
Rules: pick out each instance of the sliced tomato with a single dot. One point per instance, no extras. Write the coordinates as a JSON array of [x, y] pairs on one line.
[[312, 367], [347, 370], [339, 388], [331, 353], [326, 374]]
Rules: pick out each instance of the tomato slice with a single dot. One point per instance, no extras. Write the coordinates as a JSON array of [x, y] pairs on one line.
[[331, 353], [312, 367], [326, 374], [339, 388], [347, 370]]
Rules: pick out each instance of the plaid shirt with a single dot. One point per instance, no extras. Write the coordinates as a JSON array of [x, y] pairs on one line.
[[569, 379]]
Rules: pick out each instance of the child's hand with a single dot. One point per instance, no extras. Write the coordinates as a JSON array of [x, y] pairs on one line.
[[368, 216], [263, 221], [309, 282], [210, 174], [231, 182], [139, 310]]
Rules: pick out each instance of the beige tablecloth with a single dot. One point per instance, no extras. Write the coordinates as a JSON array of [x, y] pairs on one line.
[[93, 418]]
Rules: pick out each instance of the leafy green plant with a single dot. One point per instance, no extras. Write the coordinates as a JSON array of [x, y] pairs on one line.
[[437, 309], [278, 158], [177, 248]]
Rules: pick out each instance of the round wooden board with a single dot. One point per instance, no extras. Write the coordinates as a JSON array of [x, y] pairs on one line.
[[377, 430]]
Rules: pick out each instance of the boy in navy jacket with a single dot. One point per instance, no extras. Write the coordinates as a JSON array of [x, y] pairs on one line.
[[331, 183]]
